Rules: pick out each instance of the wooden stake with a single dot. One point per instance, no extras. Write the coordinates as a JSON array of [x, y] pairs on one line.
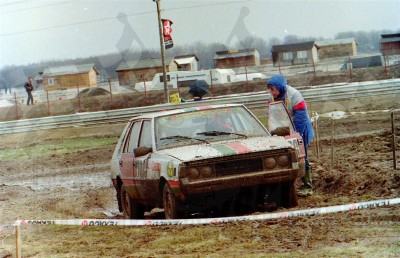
[[18, 241], [332, 149]]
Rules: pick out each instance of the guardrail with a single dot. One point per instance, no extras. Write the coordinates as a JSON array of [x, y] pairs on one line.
[[251, 100]]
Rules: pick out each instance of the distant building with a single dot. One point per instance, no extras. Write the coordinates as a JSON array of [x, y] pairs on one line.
[[187, 62], [294, 54], [336, 48], [132, 72], [71, 76], [237, 58], [38, 81], [390, 48], [390, 44]]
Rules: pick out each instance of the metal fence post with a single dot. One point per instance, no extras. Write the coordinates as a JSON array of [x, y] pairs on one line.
[[16, 106], [79, 99], [393, 140], [111, 95], [48, 103]]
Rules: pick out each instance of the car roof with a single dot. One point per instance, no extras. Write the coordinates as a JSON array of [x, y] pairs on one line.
[[183, 110]]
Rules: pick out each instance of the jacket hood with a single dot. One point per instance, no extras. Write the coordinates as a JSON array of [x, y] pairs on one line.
[[279, 82]]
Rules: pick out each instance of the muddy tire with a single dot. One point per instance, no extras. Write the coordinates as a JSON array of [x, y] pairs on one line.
[[170, 203], [130, 208], [289, 194]]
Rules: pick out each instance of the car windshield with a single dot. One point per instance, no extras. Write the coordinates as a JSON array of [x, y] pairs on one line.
[[204, 126]]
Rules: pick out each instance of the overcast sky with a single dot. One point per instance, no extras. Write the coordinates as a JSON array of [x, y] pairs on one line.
[[35, 30]]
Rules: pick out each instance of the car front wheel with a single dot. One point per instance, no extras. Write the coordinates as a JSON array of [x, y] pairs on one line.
[[169, 202]]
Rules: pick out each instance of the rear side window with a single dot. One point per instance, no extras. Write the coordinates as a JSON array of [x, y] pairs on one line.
[[145, 137], [132, 141]]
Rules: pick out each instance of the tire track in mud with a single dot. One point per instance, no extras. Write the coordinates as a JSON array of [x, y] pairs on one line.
[[73, 178]]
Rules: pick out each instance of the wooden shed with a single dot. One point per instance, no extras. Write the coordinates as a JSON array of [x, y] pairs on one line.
[[390, 44], [68, 77], [131, 72], [294, 54], [237, 58], [336, 48]]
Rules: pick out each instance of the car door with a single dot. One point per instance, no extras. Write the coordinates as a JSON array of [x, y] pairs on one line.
[[147, 183], [278, 119], [127, 162]]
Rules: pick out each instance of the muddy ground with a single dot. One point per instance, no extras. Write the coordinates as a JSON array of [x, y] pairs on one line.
[[76, 185]]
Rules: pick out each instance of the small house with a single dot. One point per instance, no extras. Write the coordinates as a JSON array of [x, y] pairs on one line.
[[390, 44], [38, 81], [68, 77], [390, 48], [294, 54], [336, 48], [132, 72], [187, 62], [236, 58]]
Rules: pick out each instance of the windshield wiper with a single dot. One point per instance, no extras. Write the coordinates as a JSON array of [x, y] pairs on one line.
[[182, 137], [217, 133]]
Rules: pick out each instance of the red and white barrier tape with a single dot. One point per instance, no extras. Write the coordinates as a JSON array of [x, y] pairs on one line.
[[5, 227], [267, 216]]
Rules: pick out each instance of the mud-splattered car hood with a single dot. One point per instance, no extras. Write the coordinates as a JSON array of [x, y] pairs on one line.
[[226, 148]]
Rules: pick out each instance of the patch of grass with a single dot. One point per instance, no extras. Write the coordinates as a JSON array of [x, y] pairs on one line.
[[48, 149]]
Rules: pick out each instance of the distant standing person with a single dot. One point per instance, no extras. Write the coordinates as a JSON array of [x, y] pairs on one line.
[[29, 89], [294, 101]]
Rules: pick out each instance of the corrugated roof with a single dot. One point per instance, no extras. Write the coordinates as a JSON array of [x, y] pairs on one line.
[[293, 47], [394, 35], [69, 69], [235, 53], [387, 40], [331, 42], [141, 64]]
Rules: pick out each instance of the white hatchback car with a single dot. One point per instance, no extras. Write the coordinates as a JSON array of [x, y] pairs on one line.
[[218, 158]]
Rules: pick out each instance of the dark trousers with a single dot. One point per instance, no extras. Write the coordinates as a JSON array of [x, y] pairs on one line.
[[30, 98]]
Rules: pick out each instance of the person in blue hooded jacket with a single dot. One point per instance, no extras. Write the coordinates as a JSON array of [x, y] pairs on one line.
[[294, 101]]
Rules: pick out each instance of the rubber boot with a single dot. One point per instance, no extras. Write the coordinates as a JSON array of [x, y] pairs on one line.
[[306, 189]]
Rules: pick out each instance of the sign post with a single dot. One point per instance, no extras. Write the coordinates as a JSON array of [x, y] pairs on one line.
[[166, 95]]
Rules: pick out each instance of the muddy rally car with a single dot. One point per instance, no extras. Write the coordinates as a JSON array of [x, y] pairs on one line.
[[206, 159]]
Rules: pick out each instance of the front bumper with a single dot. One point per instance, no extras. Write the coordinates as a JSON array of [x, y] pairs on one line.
[[238, 181]]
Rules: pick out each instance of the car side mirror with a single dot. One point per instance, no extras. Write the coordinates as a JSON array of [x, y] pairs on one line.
[[281, 131], [141, 151]]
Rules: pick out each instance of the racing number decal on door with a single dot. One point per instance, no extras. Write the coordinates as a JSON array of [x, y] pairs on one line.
[[141, 166]]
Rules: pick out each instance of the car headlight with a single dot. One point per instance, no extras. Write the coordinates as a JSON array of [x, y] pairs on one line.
[[206, 171], [193, 173], [270, 162], [283, 161]]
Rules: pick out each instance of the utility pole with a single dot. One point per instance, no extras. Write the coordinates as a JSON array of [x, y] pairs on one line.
[[162, 51]]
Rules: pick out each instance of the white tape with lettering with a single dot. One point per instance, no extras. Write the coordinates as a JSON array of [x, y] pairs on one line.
[[5, 227], [266, 216]]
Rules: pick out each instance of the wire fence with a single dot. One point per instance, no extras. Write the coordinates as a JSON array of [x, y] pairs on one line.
[[112, 95]]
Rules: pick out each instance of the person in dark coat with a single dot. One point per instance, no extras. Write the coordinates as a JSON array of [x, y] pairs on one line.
[[29, 88]]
